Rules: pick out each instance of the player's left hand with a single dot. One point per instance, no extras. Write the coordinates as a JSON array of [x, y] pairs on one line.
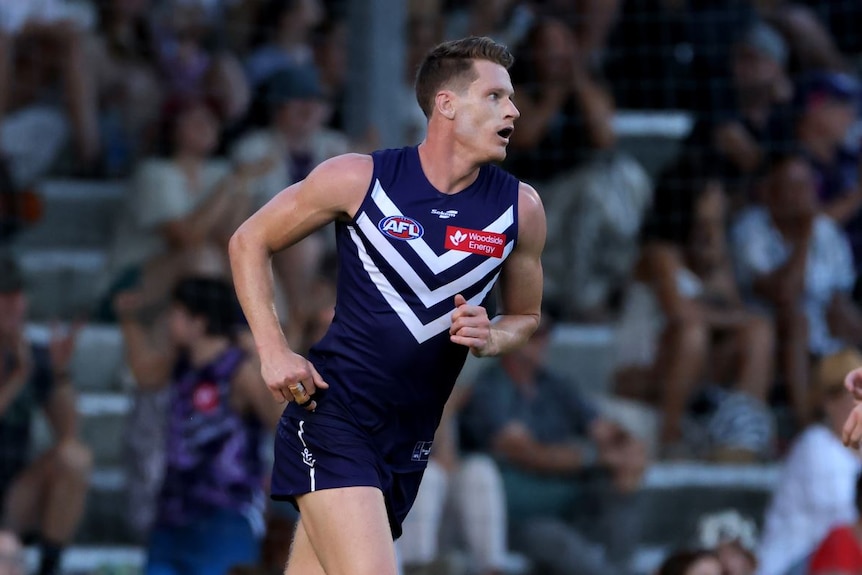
[[471, 327]]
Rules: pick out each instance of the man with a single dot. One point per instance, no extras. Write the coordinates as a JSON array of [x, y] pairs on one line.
[[567, 471], [418, 230], [44, 498]]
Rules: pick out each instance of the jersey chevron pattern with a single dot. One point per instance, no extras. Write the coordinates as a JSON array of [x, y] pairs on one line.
[[402, 259], [425, 280]]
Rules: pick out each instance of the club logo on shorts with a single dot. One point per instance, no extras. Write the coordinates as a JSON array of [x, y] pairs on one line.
[[401, 228], [475, 241], [205, 397], [422, 451]]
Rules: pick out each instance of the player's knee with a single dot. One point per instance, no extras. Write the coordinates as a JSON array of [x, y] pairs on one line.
[[759, 333], [689, 337]]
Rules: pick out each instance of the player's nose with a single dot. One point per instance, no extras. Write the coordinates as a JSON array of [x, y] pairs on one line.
[[514, 113]]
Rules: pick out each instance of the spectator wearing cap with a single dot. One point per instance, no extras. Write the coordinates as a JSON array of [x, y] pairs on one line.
[[827, 104], [292, 143], [736, 128], [42, 498], [816, 486]]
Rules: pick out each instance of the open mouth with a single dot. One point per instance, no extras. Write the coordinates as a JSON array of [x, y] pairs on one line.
[[505, 132]]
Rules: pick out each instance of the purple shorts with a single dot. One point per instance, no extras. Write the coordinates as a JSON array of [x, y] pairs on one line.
[[315, 451]]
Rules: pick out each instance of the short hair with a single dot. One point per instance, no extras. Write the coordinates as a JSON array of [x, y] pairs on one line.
[[452, 62], [213, 300]]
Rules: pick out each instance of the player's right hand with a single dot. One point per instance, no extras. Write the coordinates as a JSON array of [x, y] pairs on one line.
[[291, 377], [853, 383], [851, 434]]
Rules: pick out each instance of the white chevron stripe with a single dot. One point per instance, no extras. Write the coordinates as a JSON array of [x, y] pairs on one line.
[[446, 260], [421, 331], [405, 270]]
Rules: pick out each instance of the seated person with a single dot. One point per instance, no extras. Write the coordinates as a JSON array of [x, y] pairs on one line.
[[796, 263], [181, 209], [211, 500], [548, 439], [841, 552], [464, 493], [43, 498], [684, 321], [814, 491]]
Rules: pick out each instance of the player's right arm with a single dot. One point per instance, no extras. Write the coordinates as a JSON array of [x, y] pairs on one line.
[[333, 190]]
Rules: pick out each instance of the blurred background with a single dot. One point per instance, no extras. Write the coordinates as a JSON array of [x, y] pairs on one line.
[[681, 406]]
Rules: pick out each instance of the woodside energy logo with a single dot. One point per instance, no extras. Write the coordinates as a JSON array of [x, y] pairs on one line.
[[475, 241]]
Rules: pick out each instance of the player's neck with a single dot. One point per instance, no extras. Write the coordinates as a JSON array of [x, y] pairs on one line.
[[448, 170]]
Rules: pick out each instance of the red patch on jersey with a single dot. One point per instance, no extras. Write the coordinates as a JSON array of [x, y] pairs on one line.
[[475, 241], [205, 398]]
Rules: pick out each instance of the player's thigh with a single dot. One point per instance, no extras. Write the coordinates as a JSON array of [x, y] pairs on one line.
[[303, 559], [348, 527]]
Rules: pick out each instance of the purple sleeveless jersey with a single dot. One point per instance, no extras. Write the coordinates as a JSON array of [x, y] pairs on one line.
[[406, 253], [213, 452]]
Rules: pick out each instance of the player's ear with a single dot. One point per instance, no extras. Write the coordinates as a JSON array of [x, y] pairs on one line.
[[444, 102]]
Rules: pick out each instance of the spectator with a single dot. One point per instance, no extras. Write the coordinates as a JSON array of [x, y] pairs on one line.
[[209, 513], [595, 196], [123, 59], [285, 29], [591, 21], [691, 563], [684, 321], [193, 64], [798, 264], [841, 552], [548, 440], [182, 208], [463, 494], [674, 54], [733, 539], [43, 497], [11, 554], [814, 491], [293, 142], [737, 128], [827, 104], [41, 42]]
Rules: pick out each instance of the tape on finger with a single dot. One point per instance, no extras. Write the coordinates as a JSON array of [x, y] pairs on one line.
[[301, 396]]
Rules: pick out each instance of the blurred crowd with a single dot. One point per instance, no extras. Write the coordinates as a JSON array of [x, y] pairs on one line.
[[730, 275]]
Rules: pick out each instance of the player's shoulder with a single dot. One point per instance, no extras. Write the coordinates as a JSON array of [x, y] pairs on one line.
[[529, 202], [350, 170]]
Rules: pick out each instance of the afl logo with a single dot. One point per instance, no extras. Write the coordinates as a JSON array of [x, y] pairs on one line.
[[401, 228]]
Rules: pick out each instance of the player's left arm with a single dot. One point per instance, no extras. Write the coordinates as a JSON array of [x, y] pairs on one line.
[[521, 289]]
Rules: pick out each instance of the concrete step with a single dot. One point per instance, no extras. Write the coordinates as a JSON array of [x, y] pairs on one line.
[[62, 283], [98, 361], [103, 426], [77, 214]]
